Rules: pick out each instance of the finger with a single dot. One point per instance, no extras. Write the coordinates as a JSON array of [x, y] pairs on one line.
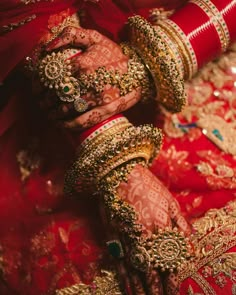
[[137, 283], [177, 216], [74, 36], [101, 113], [154, 283], [171, 284], [183, 225]]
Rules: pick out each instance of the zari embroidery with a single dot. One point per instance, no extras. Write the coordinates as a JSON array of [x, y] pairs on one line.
[[191, 292], [26, 2], [105, 284], [204, 285], [214, 235], [176, 161], [219, 173], [220, 268], [13, 26], [220, 132]]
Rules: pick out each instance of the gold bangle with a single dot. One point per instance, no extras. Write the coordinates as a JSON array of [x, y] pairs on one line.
[[140, 73], [174, 50], [94, 163], [153, 50]]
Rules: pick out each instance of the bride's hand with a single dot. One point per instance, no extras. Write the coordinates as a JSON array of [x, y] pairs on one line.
[[155, 205], [156, 209], [96, 51]]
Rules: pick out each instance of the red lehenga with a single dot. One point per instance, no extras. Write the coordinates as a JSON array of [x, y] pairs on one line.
[[49, 241]]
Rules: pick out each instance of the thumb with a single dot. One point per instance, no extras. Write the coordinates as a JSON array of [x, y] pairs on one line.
[[75, 36]]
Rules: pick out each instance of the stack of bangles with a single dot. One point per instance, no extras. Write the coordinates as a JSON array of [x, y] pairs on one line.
[[165, 53], [106, 157]]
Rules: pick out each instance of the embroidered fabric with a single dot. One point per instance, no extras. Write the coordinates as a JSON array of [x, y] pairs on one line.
[[49, 242]]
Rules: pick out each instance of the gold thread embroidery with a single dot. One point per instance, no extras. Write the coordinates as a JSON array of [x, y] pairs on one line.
[[206, 287], [177, 162], [105, 284], [26, 2], [219, 173], [191, 292], [13, 26], [215, 235], [206, 100], [220, 132]]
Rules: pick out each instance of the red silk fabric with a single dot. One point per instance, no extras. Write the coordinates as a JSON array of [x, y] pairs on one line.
[[49, 241], [18, 43]]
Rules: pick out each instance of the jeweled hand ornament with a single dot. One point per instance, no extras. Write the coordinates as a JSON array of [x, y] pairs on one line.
[[55, 72]]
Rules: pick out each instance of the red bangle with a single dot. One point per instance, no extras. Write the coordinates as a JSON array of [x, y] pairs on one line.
[[208, 25], [84, 135]]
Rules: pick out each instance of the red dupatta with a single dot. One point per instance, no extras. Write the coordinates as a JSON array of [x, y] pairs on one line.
[[16, 44]]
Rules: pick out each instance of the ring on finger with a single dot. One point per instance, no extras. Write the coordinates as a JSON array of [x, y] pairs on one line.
[[55, 73]]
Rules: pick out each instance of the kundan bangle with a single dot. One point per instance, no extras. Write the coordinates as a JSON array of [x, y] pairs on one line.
[[112, 148], [200, 31], [175, 48], [154, 51]]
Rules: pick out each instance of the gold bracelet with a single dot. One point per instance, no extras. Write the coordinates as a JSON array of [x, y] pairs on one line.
[[165, 250], [174, 50], [55, 73], [155, 53], [114, 150], [141, 73]]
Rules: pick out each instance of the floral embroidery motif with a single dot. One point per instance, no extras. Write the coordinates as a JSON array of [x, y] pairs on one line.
[[219, 172], [105, 284], [176, 161], [215, 234], [221, 281], [213, 109]]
